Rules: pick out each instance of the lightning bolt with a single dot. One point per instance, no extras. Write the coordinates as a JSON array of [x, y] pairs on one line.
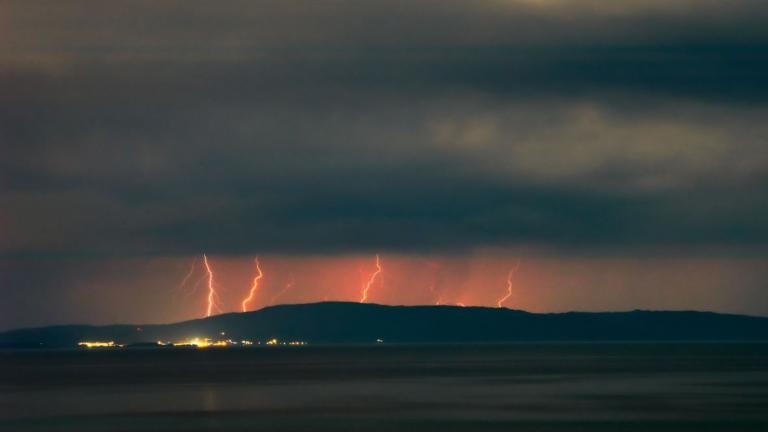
[[438, 296], [180, 288], [193, 291], [371, 280], [189, 274], [432, 290], [509, 286], [287, 286], [434, 267], [212, 295], [254, 286]]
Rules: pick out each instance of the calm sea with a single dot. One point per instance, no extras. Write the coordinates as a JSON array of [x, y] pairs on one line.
[[526, 387]]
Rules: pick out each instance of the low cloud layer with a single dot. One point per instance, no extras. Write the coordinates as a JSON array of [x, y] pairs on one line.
[[176, 127]]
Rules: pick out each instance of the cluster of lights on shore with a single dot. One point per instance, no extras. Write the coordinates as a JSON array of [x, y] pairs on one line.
[[198, 342], [213, 301]]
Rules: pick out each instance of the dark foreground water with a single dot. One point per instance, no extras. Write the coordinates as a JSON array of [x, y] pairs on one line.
[[549, 387]]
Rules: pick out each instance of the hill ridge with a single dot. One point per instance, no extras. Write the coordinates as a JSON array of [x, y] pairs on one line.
[[344, 322]]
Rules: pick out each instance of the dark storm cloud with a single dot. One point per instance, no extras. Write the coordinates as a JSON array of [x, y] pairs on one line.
[[174, 127]]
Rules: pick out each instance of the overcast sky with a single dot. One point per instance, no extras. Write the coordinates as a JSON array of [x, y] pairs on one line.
[[158, 130]]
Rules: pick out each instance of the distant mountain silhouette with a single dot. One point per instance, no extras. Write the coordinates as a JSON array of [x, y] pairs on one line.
[[338, 322]]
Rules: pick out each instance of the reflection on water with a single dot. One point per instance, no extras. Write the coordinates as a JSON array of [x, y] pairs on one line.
[[611, 387]]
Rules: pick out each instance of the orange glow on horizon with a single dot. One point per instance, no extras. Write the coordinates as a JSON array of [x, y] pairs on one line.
[[254, 286], [408, 280], [476, 279], [371, 280]]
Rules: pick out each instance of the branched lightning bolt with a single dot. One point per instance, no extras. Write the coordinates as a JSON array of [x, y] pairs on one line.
[[180, 288], [371, 280], [189, 274], [193, 291], [509, 286], [213, 296], [254, 286]]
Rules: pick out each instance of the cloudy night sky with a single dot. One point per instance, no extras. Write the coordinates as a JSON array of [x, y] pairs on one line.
[[615, 152]]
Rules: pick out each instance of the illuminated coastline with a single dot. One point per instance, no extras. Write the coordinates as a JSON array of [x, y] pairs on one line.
[[99, 344], [196, 342]]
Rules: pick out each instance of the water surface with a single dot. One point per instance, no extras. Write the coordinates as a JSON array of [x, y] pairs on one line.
[[524, 387]]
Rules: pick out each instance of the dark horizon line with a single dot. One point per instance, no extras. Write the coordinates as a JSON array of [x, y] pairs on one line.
[[370, 304]]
